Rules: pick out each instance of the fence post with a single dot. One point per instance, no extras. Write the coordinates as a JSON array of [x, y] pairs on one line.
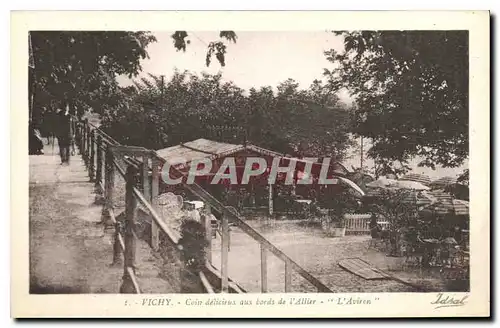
[[263, 268], [127, 286], [146, 186], [207, 226], [224, 254], [92, 155], [77, 135], [288, 277], [83, 140], [155, 233], [109, 185], [108, 211], [81, 137], [117, 247], [89, 143], [104, 146], [86, 142], [270, 199], [98, 172]]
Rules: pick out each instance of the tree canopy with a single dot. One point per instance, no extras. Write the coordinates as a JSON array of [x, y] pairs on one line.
[[310, 122], [217, 48], [156, 113], [411, 92], [79, 68]]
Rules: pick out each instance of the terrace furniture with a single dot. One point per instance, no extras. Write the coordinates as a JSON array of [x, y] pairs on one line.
[[379, 237], [413, 253]]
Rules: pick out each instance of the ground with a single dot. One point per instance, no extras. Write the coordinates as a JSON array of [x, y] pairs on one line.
[[317, 254], [70, 252]]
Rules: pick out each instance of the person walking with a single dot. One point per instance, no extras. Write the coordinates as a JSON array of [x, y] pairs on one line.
[[64, 136]]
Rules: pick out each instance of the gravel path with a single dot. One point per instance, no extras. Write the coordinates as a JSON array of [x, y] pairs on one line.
[[317, 254], [69, 250]]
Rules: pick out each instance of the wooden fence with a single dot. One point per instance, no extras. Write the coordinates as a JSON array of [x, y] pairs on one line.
[[104, 157], [359, 224]]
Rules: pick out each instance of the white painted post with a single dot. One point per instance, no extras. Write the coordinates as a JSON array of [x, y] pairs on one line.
[[271, 209], [155, 233], [225, 254]]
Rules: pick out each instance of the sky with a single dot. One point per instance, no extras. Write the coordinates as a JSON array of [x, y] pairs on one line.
[[260, 59], [257, 59]]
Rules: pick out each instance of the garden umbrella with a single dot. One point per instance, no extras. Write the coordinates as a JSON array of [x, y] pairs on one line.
[[418, 197], [396, 184], [443, 182], [380, 183], [352, 185], [441, 195], [461, 207], [414, 185], [422, 178], [449, 206], [443, 204]]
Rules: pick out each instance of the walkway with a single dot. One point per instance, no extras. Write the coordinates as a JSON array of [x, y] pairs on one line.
[[69, 250]]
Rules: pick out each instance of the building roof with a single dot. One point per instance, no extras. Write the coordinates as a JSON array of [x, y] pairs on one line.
[[198, 149], [204, 148]]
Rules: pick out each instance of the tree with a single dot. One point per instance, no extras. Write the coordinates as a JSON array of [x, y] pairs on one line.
[[393, 206], [460, 190], [411, 90], [159, 113], [78, 68], [156, 113], [313, 122], [217, 48]]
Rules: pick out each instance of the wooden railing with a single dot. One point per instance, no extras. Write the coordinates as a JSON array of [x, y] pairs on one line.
[[229, 214], [104, 156]]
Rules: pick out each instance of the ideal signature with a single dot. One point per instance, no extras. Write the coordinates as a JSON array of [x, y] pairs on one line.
[[449, 301]]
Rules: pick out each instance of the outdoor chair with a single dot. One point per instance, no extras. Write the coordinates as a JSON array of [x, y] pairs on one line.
[[460, 257], [413, 250], [431, 250], [450, 253], [378, 239], [414, 257]]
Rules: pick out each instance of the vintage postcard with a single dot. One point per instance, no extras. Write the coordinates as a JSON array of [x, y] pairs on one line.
[[250, 164]]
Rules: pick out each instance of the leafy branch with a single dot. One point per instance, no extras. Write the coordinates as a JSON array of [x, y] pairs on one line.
[[215, 47]]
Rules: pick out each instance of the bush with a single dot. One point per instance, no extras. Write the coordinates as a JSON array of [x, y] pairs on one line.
[[193, 244], [338, 207]]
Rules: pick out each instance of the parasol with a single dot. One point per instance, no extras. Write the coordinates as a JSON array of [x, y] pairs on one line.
[[380, 183], [396, 184], [352, 185], [402, 184], [461, 207], [446, 204], [417, 177], [443, 182], [441, 195], [418, 197]]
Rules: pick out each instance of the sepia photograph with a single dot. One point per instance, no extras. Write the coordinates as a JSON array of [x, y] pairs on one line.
[[202, 161]]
